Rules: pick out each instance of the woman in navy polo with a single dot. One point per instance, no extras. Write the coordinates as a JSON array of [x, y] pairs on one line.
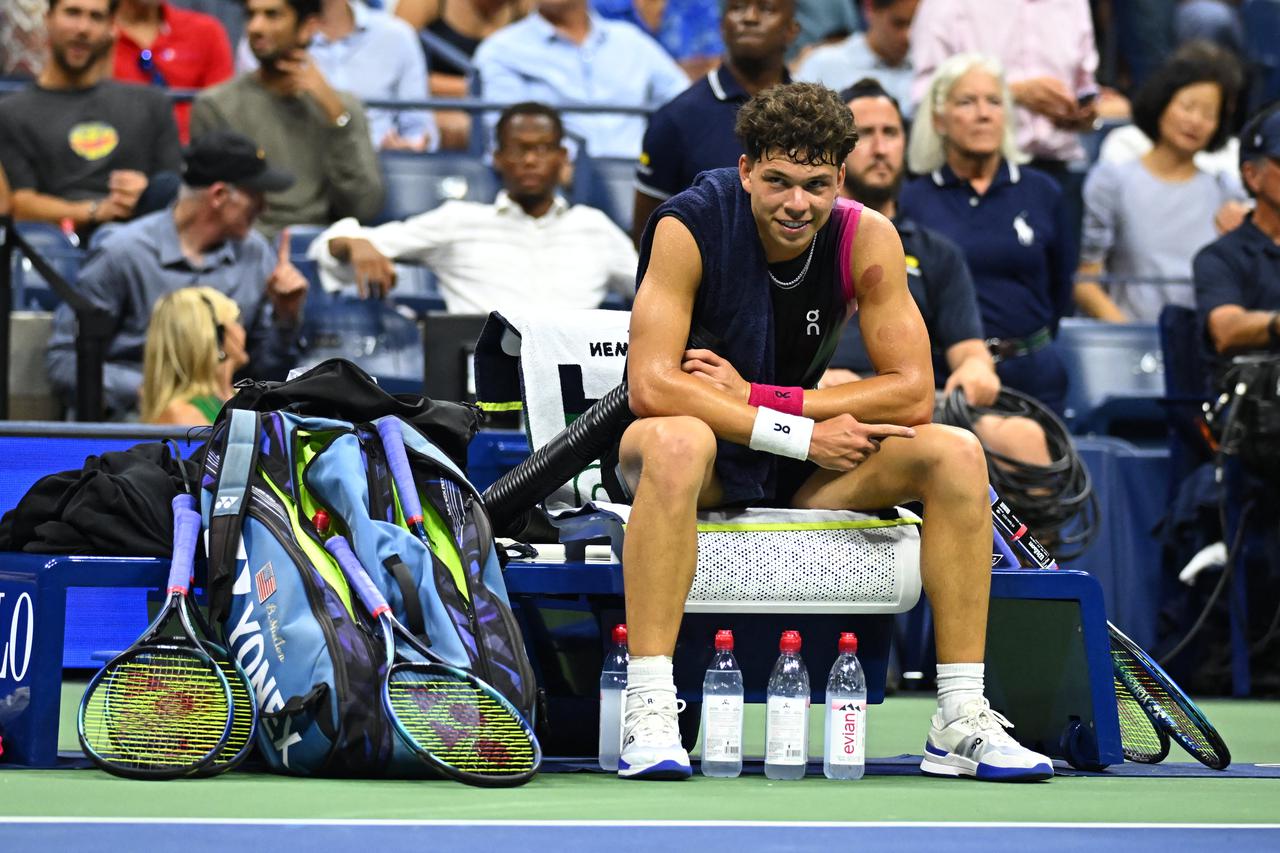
[[1008, 219]]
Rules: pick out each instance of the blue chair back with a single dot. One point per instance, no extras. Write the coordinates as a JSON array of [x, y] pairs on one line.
[[1117, 374], [1261, 19], [608, 184], [30, 290], [417, 183]]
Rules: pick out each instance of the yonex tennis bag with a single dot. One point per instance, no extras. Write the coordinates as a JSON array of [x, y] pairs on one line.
[[284, 606]]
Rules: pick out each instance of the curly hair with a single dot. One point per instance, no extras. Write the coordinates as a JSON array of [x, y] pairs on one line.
[[804, 122], [1195, 62]]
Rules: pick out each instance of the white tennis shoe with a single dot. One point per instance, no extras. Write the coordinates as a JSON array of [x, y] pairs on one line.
[[976, 744], [651, 735]]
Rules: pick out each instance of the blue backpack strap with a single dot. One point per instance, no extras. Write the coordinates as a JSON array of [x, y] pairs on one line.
[[229, 504]]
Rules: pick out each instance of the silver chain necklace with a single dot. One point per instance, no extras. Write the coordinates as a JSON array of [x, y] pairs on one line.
[[787, 285]]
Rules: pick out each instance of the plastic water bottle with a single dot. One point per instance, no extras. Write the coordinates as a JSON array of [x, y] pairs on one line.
[[613, 686], [786, 738], [844, 751], [722, 712]]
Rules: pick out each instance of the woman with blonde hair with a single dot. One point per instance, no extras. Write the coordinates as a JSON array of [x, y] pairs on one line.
[[1008, 219], [195, 344]]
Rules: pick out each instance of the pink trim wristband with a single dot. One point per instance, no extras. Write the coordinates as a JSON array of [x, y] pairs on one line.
[[786, 399]]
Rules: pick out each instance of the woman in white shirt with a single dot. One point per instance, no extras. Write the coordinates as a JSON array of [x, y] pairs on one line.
[[1146, 218]]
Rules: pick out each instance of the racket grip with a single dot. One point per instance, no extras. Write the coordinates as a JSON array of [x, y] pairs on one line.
[[186, 531], [183, 501], [390, 431], [359, 579], [1016, 534]]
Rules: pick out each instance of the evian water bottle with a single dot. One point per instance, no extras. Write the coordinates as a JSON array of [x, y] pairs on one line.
[[786, 747], [613, 686], [844, 749], [722, 712]]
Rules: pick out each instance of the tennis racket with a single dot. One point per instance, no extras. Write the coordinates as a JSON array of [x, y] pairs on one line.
[[1139, 680], [244, 705], [392, 435], [455, 722], [163, 707]]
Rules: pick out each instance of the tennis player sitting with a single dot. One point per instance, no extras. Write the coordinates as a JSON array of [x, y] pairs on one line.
[[765, 260]]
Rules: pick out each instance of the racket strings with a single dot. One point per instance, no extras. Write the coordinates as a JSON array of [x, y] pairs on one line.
[[460, 724], [157, 709], [242, 717], [1152, 695], [1139, 739]]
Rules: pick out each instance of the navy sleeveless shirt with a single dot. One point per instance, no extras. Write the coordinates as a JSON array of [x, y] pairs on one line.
[[736, 300]]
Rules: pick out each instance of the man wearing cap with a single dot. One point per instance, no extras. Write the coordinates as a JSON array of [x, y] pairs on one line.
[[206, 237], [1237, 277]]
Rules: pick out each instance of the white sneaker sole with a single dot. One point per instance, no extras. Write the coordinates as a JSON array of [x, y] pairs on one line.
[[957, 765]]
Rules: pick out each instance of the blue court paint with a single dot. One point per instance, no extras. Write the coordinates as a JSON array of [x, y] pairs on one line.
[[621, 837]]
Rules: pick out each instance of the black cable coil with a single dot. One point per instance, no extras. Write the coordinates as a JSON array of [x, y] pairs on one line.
[[1057, 500]]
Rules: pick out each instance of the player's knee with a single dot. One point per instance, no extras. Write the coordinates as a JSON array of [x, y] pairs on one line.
[[679, 450], [955, 454]]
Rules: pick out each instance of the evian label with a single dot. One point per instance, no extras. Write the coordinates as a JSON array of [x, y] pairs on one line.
[[787, 727], [722, 735], [847, 731]]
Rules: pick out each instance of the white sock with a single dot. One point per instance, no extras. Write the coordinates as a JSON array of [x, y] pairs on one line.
[[958, 685], [650, 671]]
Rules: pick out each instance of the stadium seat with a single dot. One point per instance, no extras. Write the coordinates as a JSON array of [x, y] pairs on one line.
[[416, 183], [1262, 50], [30, 290], [606, 183], [1117, 378]]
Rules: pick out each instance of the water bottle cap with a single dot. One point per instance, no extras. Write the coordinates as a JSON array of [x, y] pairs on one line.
[[848, 643], [724, 641], [321, 522], [619, 635], [790, 642]]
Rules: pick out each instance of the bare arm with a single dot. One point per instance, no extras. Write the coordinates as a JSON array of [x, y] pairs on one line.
[[31, 205], [901, 392], [973, 372], [419, 13], [1231, 328], [1092, 299], [660, 321]]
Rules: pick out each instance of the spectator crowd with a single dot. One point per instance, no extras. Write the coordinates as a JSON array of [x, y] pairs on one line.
[[242, 149]]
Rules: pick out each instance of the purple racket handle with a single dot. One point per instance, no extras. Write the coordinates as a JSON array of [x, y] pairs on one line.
[[390, 431], [369, 594], [184, 501], [186, 531]]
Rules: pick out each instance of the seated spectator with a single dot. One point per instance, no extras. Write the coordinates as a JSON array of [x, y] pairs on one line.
[[1007, 219], [566, 55], [195, 345], [320, 134], [80, 148], [1237, 277], [528, 247], [688, 30], [6, 198], [463, 24], [694, 131], [376, 57], [163, 45], [207, 238], [937, 277], [880, 52], [1145, 219], [821, 22]]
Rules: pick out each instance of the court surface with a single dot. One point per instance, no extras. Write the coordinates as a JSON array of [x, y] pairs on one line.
[[892, 808]]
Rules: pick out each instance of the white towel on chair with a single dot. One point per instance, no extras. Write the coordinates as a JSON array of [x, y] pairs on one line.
[[568, 358]]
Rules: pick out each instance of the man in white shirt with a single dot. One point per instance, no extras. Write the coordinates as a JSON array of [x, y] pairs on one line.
[[529, 246]]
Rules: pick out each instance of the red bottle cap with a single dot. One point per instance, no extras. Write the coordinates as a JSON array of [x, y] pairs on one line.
[[619, 635], [321, 522], [790, 642], [848, 643], [724, 641]]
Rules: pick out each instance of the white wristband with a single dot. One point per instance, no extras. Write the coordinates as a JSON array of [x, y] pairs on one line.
[[781, 434]]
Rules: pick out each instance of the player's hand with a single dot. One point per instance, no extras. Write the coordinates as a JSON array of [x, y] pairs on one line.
[[843, 443], [709, 367], [373, 271], [834, 376], [1047, 96], [978, 381], [286, 286]]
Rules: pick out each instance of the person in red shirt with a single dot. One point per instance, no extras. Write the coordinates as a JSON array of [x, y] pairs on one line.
[[165, 45]]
